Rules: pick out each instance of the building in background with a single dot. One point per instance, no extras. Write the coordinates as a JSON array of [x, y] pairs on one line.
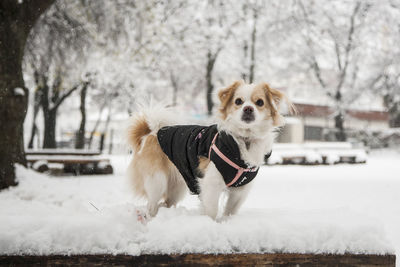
[[315, 123]]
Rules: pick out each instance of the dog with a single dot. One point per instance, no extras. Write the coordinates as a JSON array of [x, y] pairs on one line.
[[168, 158]]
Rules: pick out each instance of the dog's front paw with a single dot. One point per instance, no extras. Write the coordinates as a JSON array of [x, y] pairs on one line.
[[142, 216]]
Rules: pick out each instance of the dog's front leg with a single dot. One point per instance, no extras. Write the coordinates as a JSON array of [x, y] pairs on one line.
[[211, 186], [236, 197]]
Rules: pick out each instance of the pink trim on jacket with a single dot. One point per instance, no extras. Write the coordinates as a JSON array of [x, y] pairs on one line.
[[227, 160]]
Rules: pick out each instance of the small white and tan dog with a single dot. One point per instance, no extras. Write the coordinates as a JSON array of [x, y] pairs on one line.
[[168, 159]]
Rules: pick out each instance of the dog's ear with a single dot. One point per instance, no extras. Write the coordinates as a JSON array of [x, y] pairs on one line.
[[274, 98], [225, 95]]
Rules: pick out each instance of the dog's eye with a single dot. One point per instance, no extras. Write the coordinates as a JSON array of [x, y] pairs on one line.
[[260, 102], [238, 101]]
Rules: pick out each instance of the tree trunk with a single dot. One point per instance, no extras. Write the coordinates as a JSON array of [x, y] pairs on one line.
[[49, 116], [174, 89], [394, 116], [49, 140], [210, 86], [110, 145], [33, 133], [245, 52], [13, 105], [253, 47], [395, 121], [96, 125], [80, 135], [16, 20], [36, 107], [13, 102], [339, 118], [101, 146], [393, 109], [50, 110], [339, 125]]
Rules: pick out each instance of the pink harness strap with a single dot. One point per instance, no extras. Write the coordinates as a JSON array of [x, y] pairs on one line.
[[227, 160]]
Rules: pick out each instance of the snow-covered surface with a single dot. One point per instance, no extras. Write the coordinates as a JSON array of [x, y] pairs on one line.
[[313, 209], [19, 91], [313, 152], [38, 163], [309, 155], [313, 145], [327, 145]]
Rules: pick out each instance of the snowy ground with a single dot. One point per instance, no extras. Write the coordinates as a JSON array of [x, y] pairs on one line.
[[316, 209]]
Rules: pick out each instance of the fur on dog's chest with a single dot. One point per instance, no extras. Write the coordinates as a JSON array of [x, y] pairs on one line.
[[184, 144]]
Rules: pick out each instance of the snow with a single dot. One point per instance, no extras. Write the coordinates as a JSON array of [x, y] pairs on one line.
[[326, 145], [103, 164], [19, 91], [306, 209], [313, 152], [39, 163], [310, 156]]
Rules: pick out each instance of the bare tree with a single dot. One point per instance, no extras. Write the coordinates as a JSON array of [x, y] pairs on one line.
[[391, 95], [51, 101], [346, 66], [55, 49], [216, 17], [387, 85], [16, 21], [80, 134], [249, 56], [37, 99], [385, 79]]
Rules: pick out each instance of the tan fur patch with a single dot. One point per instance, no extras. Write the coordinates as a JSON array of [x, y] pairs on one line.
[[274, 98], [137, 131], [203, 163], [145, 164], [259, 93], [226, 96]]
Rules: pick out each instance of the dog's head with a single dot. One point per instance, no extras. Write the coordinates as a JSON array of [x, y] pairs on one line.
[[251, 107]]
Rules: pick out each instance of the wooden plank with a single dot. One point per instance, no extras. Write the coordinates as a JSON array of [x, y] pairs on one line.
[[278, 259], [67, 159], [70, 161], [60, 152]]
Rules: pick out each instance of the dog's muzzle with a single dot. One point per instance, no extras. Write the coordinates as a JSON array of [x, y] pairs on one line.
[[248, 114]]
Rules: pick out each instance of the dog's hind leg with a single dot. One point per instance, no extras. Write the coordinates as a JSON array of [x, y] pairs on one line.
[[177, 188], [155, 187]]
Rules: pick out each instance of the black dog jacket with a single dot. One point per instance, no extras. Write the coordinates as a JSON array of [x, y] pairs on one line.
[[183, 144]]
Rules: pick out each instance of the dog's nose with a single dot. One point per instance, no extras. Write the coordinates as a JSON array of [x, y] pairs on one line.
[[248, 110]]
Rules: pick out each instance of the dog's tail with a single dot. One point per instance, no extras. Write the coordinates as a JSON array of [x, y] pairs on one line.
[[149, 121], [137, 132]]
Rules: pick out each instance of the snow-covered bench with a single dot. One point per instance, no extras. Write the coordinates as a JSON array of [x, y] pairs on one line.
[[75, 161], [317, 153]]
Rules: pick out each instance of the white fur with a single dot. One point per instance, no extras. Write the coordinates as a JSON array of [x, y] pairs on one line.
[[211, 187], [176, 190], [236, 197], [155, 187]]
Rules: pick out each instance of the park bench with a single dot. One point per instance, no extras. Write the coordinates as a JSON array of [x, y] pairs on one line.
[[71, 160], [316, 153]]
